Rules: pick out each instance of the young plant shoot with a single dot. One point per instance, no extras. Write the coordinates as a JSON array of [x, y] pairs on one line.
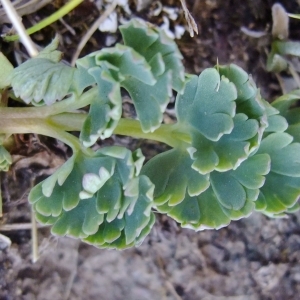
[[231, 151]]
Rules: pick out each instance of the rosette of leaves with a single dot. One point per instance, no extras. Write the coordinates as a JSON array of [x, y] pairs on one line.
[[43, 79], [215, 175], [100, 198], [148, 66], [205, 201], [225, 116]]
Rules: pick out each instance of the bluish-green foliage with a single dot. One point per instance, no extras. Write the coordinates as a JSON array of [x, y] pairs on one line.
[[233, 152]]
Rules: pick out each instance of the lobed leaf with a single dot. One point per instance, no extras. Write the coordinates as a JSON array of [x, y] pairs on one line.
[[225, 117], [229, 151], [50, 52], [108, 200], [135, 224], [205, 201], [148, 67], [173, 177], [160, 51], [282, 187], [284, 102], [207, 105], [105, 111], [40, 80]]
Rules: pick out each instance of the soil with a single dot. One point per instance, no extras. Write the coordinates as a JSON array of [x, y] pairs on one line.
[[254, 258]]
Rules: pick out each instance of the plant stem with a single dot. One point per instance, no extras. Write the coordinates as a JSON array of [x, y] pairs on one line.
[[34, 238], [39, 126], [166, 133], [48, 21], [70, 104], [54, 120]]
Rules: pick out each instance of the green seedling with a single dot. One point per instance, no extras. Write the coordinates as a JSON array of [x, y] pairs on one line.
[[231, 151]]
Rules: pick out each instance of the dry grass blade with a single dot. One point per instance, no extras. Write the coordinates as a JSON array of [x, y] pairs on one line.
[[34, 239], [91, 31], [23, 7], [15, 20], [190, 20], [18, 226]]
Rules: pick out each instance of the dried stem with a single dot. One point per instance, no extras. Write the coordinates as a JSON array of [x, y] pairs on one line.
[[91, 31], [15, 19]]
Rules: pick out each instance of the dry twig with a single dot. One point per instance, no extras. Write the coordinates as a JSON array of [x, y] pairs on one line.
[[189, 18], [15, 20], [93, 28]]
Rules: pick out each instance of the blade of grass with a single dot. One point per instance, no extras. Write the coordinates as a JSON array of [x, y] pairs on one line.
[[295, 16]]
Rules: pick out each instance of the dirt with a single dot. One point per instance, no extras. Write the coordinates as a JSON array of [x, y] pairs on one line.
[[254, 258]]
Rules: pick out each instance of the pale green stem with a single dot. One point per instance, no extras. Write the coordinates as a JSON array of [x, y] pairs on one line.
[[40, 120], [48, 21], [45, 111], [166, 133], [294, 16], [38, 126]]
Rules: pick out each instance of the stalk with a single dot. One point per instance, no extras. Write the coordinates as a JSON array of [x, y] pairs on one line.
[[70, 104], [39, 126], [166, 133]]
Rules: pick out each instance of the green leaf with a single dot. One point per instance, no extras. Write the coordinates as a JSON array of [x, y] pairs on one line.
[[159, 51], [5, 159], [50, 52], [225, 116], [6, 69], [127, 62], [283, 154], [229, 151], [287, 47], [107, 197], [284, 102], [205, 212], [276, 59], [207, 105], [234, 187], [173, 177], [293, 118], [40, 80], [105, 111], [186, 196], [148, 70], [79, 222], [276, 63], [282, 187]]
